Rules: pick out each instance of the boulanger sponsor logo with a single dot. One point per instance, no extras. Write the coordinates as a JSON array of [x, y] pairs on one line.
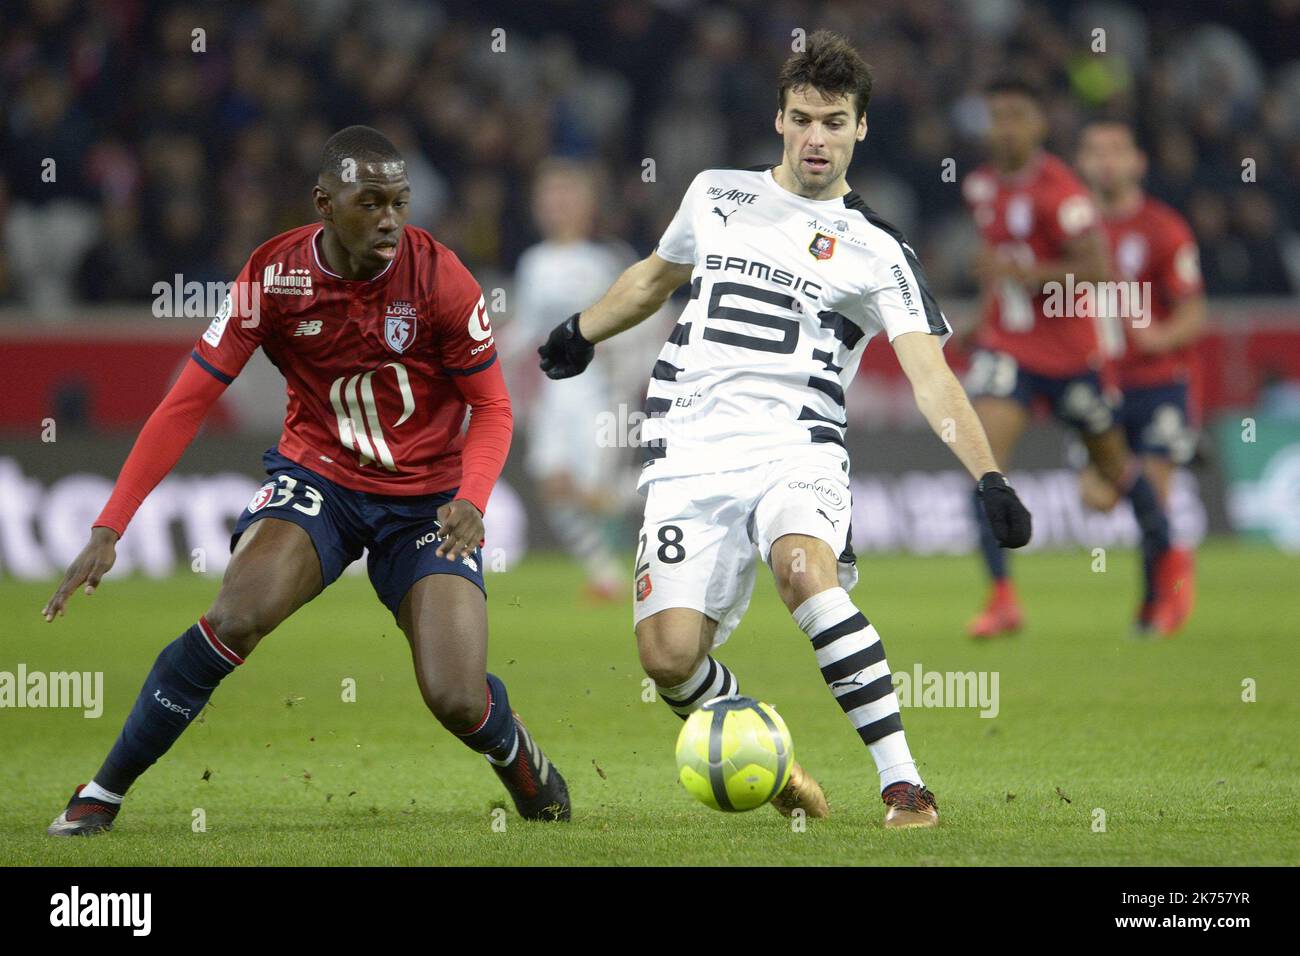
[[129, 910], [480, 326], [275, 281], [71, 690], [826, 491]]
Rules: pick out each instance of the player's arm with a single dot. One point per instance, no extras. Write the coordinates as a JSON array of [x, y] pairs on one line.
[[1083, 257], [1182, 282], [162, 440], [947, 408], [219, 355], [636, 295], [487, 443]]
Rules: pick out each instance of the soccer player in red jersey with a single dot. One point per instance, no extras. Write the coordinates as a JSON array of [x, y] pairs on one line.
[[1037, 340], [1153, 250], [383, 338]]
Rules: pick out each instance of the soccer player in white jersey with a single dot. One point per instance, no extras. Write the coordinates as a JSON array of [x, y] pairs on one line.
[[791, 274], [574, 471]]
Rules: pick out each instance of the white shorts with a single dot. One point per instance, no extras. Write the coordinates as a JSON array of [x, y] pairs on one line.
[[703, 534]]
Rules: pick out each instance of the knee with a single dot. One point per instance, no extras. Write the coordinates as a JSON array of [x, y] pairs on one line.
[[798, 577], [458, 707], [240, 628], [667, 660]]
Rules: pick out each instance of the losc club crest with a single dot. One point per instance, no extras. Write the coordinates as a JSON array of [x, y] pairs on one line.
[[399, 325], [822, 246]]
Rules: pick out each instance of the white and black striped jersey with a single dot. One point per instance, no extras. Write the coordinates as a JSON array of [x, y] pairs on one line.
[[785, 294]]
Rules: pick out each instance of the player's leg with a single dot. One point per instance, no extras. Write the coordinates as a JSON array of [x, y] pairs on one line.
[[1083, 406], [1001, 393], [441, 606], [802, 526], [1159, 432], [273, 572], [565, 457], [694, 573], [1004, 421]]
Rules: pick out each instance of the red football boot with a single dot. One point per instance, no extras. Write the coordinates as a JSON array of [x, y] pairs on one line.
[[1001, 616]]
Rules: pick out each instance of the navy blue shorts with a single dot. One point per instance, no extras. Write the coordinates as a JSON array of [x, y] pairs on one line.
[[398, 531], [1078, 401], [1156, 422]]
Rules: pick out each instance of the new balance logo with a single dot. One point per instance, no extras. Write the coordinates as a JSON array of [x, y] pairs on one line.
[[311, 327], [723, 215]]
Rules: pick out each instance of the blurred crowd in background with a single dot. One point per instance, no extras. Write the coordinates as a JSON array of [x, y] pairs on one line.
[[175, 161]]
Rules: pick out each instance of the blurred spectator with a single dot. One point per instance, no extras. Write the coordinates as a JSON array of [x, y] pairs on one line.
[[174, 155]]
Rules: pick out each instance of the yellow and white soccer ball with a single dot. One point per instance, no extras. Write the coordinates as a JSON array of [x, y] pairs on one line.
[[734, 753]]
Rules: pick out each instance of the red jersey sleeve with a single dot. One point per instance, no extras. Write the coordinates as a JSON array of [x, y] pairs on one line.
[[219, 355], [1068, 212], [1179, 270], [467, 352], [236, 330]]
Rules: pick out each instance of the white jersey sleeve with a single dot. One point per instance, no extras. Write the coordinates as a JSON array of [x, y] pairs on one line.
[[678, 241]]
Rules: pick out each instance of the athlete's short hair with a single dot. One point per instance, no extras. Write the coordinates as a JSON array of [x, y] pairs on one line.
[[359, 144], [830, 65], [1019, 85]]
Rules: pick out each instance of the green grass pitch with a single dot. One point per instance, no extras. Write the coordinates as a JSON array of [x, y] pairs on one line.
[[1155, 734]]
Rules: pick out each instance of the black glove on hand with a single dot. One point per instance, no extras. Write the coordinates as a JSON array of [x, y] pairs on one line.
[[566, 353], [1008, 518]]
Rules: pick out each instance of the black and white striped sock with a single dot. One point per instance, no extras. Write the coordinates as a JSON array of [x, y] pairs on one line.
[[712, 679], [852, 660]]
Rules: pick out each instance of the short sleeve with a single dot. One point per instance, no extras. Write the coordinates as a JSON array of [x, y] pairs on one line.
[[238, 328], [677, 244], [466, 343], [1071, 214], [1180, 272], [902, 301]]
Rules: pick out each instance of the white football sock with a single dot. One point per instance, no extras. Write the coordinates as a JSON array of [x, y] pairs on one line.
[[93, 791]]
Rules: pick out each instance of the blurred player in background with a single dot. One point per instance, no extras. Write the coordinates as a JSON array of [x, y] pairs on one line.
[[1153, 246], [791, 275], [1039, 226], [572, 453], [383, 338]]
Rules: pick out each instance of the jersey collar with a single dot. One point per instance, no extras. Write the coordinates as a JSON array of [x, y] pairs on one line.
[[320, 261]]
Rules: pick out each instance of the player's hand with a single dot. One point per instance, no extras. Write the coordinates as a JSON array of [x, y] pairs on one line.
[[88, 568], [460, 528], [566, 353], [1008, 518], [1150, 339]]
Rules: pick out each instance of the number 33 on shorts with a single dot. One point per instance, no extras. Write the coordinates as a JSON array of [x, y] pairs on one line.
[[284, 489]]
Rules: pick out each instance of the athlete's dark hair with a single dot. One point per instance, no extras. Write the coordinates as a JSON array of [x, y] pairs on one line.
[[360, 144], [1014, 84], [830, 65]]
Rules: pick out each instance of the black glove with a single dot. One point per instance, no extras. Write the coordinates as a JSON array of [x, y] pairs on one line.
[[566, 353], [1008, 518]]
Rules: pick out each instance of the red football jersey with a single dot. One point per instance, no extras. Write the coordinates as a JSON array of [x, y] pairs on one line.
[[1030, 217], [1154, 247], [367, 363]]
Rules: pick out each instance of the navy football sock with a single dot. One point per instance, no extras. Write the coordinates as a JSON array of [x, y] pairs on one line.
[[1154, 525], [176, 690], [995, 558], [495, 734]]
